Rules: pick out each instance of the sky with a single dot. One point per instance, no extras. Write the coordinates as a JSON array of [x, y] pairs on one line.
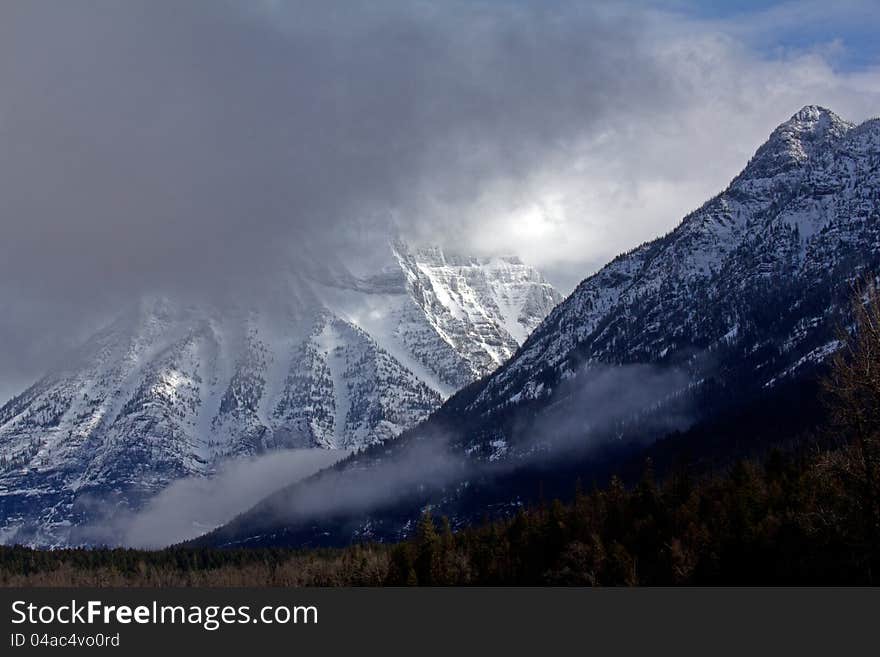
[[156, 146]]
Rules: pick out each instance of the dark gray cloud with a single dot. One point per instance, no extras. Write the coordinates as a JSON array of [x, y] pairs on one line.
[[180, 146], [155, 142]]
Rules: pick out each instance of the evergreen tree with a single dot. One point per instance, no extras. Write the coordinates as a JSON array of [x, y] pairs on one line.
[[427, 551]]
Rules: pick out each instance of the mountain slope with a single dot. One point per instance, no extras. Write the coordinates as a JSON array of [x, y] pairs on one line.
[[741, 299], [325, 360], [751, 284]]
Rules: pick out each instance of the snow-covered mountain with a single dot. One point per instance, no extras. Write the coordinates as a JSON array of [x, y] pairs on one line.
[[324, 359], [744, 297], [752, 284]]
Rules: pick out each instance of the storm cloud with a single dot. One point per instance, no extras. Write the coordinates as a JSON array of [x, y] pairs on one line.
[[186, 147]]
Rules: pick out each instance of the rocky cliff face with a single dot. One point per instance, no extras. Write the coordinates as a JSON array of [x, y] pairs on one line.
[[327, 360]]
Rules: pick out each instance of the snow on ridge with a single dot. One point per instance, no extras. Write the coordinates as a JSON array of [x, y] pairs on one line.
[[805, 203], [334, 361]]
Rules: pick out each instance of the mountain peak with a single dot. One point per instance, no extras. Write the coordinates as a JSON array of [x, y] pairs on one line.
[[813, 113], [794, 142], [816, 122]]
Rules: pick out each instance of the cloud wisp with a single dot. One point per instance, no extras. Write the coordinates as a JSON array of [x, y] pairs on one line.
[[589, 413], [190, 507]]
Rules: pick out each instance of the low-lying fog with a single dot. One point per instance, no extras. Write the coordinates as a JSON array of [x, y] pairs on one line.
[[192, 506]]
